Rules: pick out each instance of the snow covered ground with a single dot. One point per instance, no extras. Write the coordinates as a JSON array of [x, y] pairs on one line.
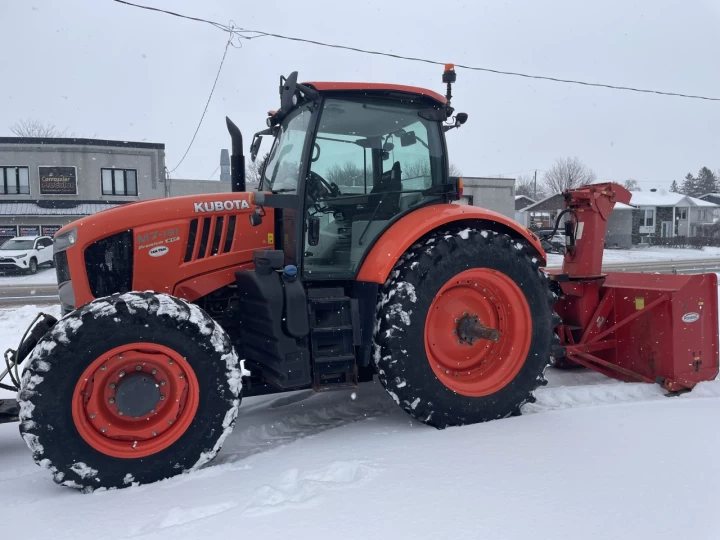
[[593, 458], [614, 256], [44, 276]]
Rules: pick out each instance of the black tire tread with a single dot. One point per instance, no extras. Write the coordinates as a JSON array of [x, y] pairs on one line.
[[48, 430], [431, 402]]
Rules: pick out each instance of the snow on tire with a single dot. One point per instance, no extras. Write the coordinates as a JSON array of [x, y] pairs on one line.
[[464, 328], [129, 389]]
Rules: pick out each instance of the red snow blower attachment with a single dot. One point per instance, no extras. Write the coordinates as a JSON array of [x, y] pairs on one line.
[[633, 327]]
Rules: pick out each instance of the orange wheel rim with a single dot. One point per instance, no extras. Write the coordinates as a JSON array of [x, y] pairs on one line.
[[153, 384], [489, 302]]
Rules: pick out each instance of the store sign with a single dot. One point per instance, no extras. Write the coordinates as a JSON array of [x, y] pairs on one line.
[[8, 231], [50, 230], [32, 230], [58, 180]]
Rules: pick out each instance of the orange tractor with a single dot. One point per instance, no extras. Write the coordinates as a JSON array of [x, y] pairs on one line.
[[350, 262]]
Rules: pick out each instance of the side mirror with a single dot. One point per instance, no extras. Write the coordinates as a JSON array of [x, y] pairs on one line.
[[314, 231], [408, 139], [255, 218], [255, 147], [288, 98]]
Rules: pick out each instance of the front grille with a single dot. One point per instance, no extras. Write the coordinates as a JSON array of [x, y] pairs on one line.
[[214, 237], [62, 269], [109, 264]]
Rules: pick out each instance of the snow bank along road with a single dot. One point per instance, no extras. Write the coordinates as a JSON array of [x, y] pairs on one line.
[[593, 458]]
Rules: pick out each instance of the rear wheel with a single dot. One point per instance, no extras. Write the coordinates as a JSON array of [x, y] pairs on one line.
[[148, 387], [465, 328]]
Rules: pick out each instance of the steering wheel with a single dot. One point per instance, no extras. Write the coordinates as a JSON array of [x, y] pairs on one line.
[[319, 187]]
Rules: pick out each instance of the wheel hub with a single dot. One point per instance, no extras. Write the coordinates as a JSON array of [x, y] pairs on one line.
[[469, 329], [135, 400], [137, 395], [478, 331]]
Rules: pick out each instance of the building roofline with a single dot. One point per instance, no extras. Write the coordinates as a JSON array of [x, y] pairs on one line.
[[74, 141]]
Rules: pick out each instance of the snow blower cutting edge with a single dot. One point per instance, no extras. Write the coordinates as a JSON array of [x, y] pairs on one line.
[[350, 262]]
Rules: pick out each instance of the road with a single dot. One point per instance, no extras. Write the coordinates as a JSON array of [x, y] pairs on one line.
[[28, 294], [47, 294]]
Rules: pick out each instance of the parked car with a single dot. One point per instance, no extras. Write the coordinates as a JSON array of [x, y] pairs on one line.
[[554, 243], [26, 253]]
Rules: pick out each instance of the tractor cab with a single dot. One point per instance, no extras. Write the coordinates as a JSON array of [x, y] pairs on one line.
[[347, 162]]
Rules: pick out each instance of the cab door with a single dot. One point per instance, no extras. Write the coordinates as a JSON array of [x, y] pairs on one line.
[[371, 162]]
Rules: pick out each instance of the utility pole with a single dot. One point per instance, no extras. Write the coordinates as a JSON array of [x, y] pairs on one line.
[[535, 186]]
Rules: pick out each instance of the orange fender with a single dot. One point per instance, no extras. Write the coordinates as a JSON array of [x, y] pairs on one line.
[[407, 230]]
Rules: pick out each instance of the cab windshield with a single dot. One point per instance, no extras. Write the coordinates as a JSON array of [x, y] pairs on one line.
[[282, 171]]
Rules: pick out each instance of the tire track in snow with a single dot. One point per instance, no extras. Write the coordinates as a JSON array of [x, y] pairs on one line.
[[286, 419]]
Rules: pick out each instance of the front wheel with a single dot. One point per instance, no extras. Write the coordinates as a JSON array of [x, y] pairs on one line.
[[128, 389], [465, 328], [32, 269]]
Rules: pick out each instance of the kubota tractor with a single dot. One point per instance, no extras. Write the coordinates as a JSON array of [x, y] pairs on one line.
[[350, 261]]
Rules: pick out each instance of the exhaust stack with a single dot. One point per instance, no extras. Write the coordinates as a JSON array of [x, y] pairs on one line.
[[237, 159]]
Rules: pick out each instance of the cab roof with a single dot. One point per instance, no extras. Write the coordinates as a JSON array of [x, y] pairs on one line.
[[373, 87]]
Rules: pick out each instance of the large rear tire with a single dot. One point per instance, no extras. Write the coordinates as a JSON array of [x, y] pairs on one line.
[[129, 389], [425, 358]]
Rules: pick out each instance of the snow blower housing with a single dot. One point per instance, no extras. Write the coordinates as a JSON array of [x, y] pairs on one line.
[[349, 263]]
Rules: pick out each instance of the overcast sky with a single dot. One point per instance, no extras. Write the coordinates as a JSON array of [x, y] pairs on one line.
[[110, 71]]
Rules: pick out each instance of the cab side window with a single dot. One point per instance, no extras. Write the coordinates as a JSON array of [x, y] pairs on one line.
[[370, 163]]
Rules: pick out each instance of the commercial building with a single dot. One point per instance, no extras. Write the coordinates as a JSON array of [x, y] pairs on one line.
[[47, 183]]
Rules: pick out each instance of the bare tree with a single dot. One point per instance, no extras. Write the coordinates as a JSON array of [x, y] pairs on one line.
[[454, 170], [631, 185], [525, 185], [37, 128], [253, 170], [567, 173]]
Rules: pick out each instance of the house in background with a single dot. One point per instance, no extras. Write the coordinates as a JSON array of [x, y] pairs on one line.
[[650, 215], [711, 197], [661, 214], [521, 201]]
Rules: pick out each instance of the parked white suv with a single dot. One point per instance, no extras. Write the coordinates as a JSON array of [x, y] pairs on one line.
[[26, 253]]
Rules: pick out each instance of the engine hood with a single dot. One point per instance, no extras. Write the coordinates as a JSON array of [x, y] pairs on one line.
[[174, 243]]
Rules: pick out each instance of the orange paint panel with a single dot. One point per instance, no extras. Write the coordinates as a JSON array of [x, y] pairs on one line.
[[197, 287], [160, 237], [403, 233]]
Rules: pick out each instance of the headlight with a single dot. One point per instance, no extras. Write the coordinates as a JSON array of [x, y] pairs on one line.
[[65, 240], [21, 256]]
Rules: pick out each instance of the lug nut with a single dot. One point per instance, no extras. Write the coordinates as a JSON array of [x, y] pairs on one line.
[[112, 385], [162, 398], [120, 356], [103, 368], [104, 429], [120, 413], [154, 433], [455, 332], [111, 400], [170, 362], [122, 373], [464, 313], [459, 342], [138, 367], [92, 415], [154, 371], [181, 376], [170, 421], [162, 383]]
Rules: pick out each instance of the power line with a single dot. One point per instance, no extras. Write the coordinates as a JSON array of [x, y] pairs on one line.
[[206, 104], [241, 33], [213, 173]]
